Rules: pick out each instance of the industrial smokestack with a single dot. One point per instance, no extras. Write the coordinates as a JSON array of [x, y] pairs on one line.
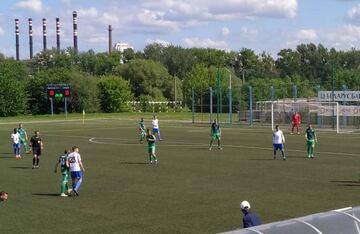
[[17, 31], [58, 34], [44, 34], [30, 38], [110, 39], [75, 31]]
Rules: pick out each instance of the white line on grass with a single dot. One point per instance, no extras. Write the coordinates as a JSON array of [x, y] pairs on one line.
[[177, 144]]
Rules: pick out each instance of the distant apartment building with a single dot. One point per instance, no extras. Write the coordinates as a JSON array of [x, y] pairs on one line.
[[121, 46]]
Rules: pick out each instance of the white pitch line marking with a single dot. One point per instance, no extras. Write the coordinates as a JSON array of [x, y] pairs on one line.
[[177, 144]]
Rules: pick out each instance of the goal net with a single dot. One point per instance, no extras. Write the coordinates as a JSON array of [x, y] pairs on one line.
[[322, 115]]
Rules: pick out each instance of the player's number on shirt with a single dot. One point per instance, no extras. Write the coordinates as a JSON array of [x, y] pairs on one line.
[[72, 160]]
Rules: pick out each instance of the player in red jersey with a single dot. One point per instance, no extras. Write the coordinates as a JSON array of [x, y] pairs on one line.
[[295, 120]]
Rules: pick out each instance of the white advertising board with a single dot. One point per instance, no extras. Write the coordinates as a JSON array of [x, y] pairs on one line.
[[343, 110], [339, 96]]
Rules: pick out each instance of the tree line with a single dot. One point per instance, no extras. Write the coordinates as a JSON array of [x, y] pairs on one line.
[[103, 82]]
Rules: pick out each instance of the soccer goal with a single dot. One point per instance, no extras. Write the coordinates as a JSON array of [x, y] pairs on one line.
[[322, 115]]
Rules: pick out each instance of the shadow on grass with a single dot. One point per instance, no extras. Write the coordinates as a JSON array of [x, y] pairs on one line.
[[46, 194], [346, 183], [24, 168], [262, 159], [303, 157], [134, 163]]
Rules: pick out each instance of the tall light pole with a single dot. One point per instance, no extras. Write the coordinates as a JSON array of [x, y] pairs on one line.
[[241, 64], [333, 91], [230, 97]]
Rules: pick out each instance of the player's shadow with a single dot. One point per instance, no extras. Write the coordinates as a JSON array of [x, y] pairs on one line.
[[134, 163], [19, 167], [346, 183], [46, 194]]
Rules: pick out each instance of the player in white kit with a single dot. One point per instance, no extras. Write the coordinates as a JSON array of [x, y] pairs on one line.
[[15, 137], [278, 142], [76, 169], [156, 130]]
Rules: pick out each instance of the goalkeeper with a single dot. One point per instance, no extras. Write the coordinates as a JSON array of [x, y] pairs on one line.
[[23, 138]]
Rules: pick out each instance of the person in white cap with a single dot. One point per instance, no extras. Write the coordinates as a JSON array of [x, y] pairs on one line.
[[250, 219]]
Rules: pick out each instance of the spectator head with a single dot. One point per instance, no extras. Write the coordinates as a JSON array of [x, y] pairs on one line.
[[3, 196], [245, 206]]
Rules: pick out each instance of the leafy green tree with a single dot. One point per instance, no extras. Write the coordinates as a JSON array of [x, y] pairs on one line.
[[155, 52], [199, 79], [12, 96], [36, 87], [114, 94], [348, 77], [13, 69], [147, 77], [288, 63], [85, 93], [178, 61]]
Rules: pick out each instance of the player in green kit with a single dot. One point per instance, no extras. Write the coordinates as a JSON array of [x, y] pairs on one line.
[[150, 138], [215, 134], [23, 138], [311, 138], [64, 167], [142, 130]]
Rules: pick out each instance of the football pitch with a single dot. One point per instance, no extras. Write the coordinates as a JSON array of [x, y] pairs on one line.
[[191, 190]]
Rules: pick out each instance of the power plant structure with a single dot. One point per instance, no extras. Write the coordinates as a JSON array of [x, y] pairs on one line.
[[31, 38], [17, 32], [58, 34], [44, 35], [75, 32], [117, 47], [110, 38]]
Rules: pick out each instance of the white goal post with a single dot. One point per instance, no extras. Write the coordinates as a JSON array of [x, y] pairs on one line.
[[325, 114]]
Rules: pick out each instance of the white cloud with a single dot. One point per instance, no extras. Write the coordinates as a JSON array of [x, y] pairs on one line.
[[343, 37], [225, 31], [306, 35], [156, 19], [109, 18], [158, 41], [205, 43], [189, 13], [87, 12], [245, 31], [2, 32], [226, 9], [97, 39], [353, 14], [34, 5]]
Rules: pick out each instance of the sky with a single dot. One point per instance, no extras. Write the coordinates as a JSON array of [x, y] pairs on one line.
[[261, 25]]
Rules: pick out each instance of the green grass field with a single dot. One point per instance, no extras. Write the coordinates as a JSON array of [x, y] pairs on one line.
[[191, 190]]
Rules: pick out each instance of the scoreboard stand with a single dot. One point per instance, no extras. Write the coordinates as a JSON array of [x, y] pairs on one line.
[[60, 91]]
